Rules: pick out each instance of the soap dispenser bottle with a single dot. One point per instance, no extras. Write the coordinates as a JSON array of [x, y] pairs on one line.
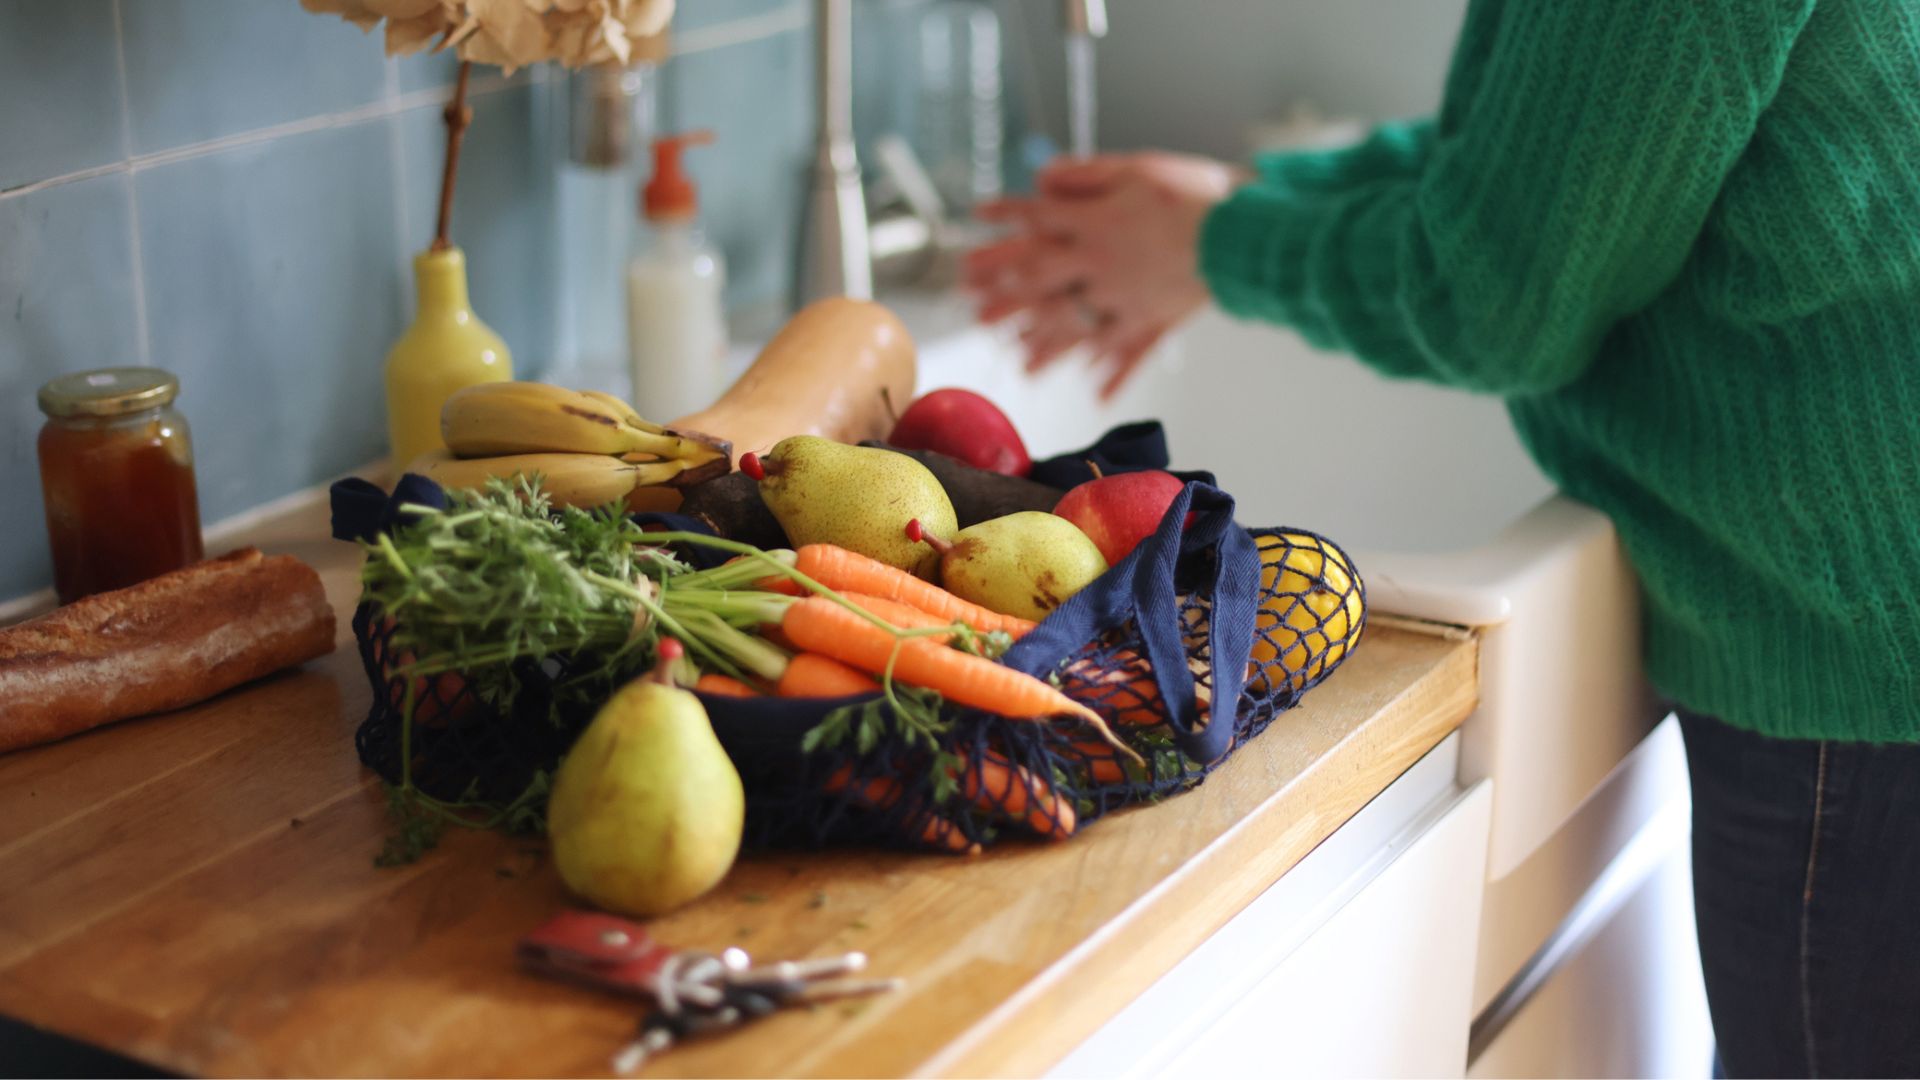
[[676, 323]]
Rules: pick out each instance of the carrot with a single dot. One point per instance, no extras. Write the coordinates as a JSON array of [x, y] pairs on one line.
[[848, 571], [881, 793], [1125, 691], [724, 686], [1000, 787], [817, 624], [1104, 768], [810, 675], [904, 616]]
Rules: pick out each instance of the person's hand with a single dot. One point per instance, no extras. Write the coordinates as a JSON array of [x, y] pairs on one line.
[[1105, 254]]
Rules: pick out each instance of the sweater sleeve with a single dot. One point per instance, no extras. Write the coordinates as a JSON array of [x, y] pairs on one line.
[[1392, 151], [1562, 197]]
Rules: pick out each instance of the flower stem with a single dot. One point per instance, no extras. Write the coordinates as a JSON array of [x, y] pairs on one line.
[[458, 116]]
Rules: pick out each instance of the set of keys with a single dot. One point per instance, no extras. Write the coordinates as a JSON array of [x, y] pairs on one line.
[[701, 993], [693, 993]]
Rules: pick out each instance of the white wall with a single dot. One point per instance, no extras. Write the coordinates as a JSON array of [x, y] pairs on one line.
[[1195, 74]]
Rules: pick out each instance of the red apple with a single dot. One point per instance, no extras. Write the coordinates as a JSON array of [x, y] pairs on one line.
[[1121, 510], [962, 424]]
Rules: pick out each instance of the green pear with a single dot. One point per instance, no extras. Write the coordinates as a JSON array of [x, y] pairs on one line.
[[1023, 564], [646, 810], [856, 497]]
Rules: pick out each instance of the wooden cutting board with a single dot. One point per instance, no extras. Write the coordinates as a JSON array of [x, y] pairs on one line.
[[197, 890]]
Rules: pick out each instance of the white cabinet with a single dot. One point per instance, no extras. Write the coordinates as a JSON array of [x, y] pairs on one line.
[[1627, 1002], [1359, 962]]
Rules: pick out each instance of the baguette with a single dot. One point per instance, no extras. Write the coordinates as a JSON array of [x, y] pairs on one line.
[[163, 644]]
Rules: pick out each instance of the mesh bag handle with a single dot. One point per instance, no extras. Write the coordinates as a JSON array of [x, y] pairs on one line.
[[1142, 590]]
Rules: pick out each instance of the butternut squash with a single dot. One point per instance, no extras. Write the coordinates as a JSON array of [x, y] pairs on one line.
[[828, 372]]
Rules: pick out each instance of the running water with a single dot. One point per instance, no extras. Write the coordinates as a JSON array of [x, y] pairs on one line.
[[1080, 95]]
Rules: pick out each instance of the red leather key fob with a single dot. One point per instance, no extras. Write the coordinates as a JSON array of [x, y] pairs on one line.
[[597, 950]]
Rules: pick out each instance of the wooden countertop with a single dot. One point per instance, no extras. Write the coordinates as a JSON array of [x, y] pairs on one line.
[[197, 891]]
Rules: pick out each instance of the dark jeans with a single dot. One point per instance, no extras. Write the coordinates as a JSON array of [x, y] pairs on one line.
[[1806, 884]]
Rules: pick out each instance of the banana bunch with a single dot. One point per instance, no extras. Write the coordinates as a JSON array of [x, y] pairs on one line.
[[589, 448]]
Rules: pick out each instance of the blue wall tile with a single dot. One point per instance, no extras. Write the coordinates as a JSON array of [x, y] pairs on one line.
[[691, 14], [272, 292], [757, 97], [66, 304], [59, 89], [275, 274], [200, 69], [424, 71]]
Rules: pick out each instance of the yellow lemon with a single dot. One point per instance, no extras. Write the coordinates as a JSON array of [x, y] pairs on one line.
[[1309, 615]]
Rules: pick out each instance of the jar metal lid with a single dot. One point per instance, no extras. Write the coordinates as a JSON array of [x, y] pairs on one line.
[[108, 392]]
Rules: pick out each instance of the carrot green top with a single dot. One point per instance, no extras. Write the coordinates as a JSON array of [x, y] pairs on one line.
[[1682, 239]]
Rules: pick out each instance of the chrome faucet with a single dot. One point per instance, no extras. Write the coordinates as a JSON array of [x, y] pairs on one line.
[[1086, 21], [838, 244], [834, 256]]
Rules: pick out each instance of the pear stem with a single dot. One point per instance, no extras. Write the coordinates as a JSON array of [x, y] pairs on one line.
[[669, 652], [1094, 467], [918, 533]]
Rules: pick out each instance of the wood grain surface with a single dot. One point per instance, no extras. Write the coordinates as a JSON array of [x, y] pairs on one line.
[[197, 890]]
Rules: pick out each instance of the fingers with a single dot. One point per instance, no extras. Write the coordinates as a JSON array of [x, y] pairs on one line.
[[1054, 328], [1024, 264], [1121, 353], [983, 264], [1043, 218], [1034, 284], [1079, 178]]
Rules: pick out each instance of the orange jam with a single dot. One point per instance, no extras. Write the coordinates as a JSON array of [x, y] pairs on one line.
[[116, 471]]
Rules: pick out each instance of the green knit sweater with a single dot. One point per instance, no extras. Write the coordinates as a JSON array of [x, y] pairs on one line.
[[1682, 239]]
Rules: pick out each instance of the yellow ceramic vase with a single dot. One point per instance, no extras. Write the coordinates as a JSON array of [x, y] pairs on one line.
[[445, 349]]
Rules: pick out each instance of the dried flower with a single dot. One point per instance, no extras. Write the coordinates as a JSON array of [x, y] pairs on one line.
[[509, 33]]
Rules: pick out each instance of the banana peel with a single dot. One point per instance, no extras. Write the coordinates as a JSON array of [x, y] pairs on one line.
[[571, 479], [507, 419]]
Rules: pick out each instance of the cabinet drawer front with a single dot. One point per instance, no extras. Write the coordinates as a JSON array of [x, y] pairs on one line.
[[1358, 962]]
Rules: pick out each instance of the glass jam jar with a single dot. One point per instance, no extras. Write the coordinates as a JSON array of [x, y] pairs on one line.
[[116, 469]]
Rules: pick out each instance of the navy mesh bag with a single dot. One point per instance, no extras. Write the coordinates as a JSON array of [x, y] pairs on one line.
[[1201, 612]]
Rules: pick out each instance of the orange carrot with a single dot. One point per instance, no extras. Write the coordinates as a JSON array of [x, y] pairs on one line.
[[847, 571], [1102, 766], [881, 793], [724, 686], [1000, 787], [901, 615], [1125, 691], [817, 624], [812, 675]]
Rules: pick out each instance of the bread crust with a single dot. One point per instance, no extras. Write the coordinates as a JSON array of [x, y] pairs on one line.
[[163, 644]]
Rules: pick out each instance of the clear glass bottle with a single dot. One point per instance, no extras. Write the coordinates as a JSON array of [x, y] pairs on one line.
[[609, 121], [116, 473], [960, 136]]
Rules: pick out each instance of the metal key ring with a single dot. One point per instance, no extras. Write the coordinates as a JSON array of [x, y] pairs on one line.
[[667, 989]]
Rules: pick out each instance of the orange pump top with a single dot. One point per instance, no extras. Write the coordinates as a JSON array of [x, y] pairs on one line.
[[670, 195]]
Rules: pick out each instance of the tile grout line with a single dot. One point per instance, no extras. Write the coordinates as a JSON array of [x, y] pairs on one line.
[[143, 335], [741, 31], [432, 96], [693, 42]]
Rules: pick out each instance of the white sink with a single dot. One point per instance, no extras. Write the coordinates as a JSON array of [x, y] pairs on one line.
[[1431, 492]]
